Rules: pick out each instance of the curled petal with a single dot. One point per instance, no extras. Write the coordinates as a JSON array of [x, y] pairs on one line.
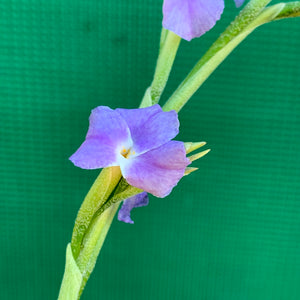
[[107, 134], [150, 127], [157, 171], [139, 200], [191, 18]]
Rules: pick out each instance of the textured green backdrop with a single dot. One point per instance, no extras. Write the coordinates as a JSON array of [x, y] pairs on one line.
[[228, 231]]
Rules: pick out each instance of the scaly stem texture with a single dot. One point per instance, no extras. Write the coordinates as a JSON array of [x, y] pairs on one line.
[[91, 227]]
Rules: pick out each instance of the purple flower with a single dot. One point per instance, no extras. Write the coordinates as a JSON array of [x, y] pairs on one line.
[[192, 18], [139, 141], [130, 203]]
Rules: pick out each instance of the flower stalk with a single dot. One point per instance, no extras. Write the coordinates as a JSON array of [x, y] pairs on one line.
[[91, 227], [252, 16], [169, 43], [290, 10], [95, 198]]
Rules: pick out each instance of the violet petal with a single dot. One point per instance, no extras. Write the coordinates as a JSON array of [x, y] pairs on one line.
[[191, 18], [157, 171], [94, 154], [150, 127], [107, 134], [139, 200]]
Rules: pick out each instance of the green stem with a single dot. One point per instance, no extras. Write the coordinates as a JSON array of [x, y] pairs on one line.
[[231, 37], [91, 227], [169, 43], [72, 280], [93, 243], [252, 16], [96, 197], [78, 271], [290, 10], [99, 225]]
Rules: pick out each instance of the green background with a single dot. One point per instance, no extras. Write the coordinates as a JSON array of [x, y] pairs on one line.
[[229, 231]]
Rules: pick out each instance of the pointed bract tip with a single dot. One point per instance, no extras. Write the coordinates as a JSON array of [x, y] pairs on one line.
[[190, 146], [189, 170], [198, 155]]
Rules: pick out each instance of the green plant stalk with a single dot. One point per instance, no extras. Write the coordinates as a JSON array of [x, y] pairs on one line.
[[169, 43], [290, 10], [78, 271], [93, 243], [242, 26], [71, 283], [95, 198], [90, 230], [252, 16]]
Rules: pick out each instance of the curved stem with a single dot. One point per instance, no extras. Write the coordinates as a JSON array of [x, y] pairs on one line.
[[91, 227], [222, 47], [72, 280], [290, 10], [169, 43], [254, 15], [93, 243], [95, 198]]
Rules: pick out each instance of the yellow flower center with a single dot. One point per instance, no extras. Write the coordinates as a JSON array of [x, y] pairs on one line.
[[127, 152]]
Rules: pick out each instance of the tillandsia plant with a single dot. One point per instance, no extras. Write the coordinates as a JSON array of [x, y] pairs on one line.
[[135, 147]]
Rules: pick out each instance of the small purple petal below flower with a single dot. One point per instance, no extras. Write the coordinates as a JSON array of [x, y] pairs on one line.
[[139, 200]]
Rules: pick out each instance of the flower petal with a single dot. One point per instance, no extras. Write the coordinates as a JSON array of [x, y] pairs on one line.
[[107, 134], [238, 3], [139, 200], [158, 170], [191, 18], [150, 127], [94, 154]]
